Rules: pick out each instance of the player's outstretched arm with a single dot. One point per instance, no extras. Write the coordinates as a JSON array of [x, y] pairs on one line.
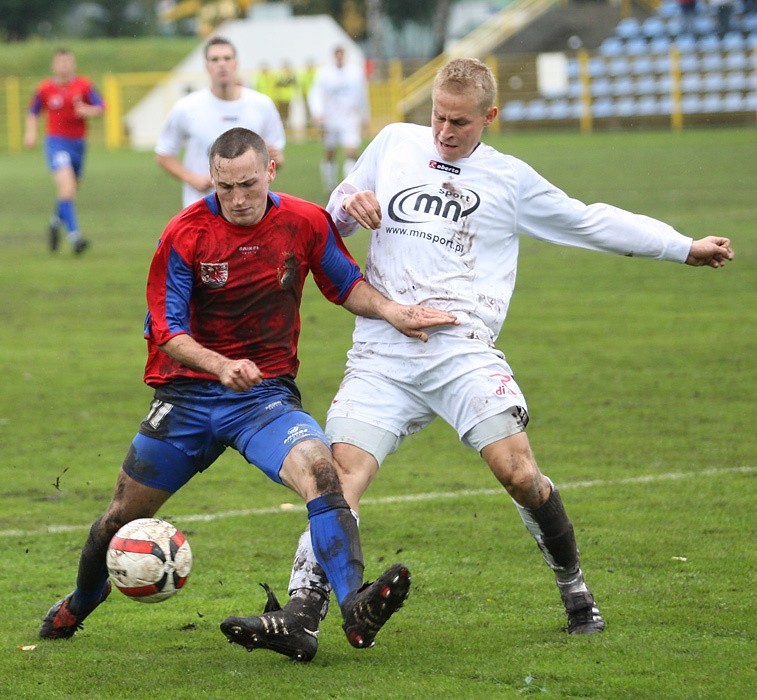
[[714, 251], [410, 320]]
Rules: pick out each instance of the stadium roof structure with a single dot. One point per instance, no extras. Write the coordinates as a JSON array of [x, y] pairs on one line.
[[259, 42]]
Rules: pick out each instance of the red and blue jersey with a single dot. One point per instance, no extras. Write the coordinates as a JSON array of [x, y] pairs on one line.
[[59, 99], [237, 289]]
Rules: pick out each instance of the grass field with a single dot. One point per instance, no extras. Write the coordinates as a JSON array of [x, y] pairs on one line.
[[641, 384]]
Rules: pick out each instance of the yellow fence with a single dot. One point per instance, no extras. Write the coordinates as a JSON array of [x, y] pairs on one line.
[[123, 91]]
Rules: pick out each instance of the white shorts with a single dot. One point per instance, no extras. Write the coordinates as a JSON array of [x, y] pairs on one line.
[[345, 132], [400, 388]]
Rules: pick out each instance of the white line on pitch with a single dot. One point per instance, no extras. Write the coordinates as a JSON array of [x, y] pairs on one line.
[[409, 498]]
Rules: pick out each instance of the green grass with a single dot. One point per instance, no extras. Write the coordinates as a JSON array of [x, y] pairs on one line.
[[640, 379]]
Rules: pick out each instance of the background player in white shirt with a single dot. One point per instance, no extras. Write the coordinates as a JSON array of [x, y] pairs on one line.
[[446, 212], [338, 103], [199, 118]]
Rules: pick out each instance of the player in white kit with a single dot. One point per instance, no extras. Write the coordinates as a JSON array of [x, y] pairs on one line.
[[446, 212], [199, 118], [338, 103]]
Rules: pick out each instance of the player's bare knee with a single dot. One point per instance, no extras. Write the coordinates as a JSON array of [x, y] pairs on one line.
[[325, 476]]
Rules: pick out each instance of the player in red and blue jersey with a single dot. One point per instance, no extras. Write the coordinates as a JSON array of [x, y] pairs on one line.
[[223, 294], [69, 100]]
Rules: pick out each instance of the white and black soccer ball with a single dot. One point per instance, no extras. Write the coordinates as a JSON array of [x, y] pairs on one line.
[[149, 560]]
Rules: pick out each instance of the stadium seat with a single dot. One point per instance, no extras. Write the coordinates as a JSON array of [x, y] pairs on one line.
[[691, 104], [573, 69], [575, 89], [653, 26], [704, 25], [600, 87], [750, 102], [665, 105], [597, 66], [536, 109], [674, 25], [659, 44], [513, 111], [646, 85], [736, 80], [628, 27], [734, 102], [712, 103], [736, 60], [688, 62], [619, 66], [749, 22], [664, 85], [711, 61], [603, 107], [662, 64], [623, 86], [708, 43], [647, 105], [558, 109], [625, 107], [642, 65], [685, 42], [636, 46], [668, 8], [712, 82], [691, 82], [733, 41], [612, 46]]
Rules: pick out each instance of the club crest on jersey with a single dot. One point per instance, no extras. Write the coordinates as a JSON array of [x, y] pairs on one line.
[[436, 165], [214, 274]]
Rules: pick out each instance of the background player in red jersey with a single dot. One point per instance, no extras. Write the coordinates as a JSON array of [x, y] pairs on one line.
[[224, 292], [69, 100]]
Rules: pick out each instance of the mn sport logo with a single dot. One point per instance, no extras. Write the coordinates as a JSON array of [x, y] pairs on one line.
[[422, 203]]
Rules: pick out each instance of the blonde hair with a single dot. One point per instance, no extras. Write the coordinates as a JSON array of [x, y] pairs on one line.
[[468, 74]]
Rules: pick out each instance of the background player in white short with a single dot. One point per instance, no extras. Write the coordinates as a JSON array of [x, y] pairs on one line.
[[446, 212], [199, 118], [338, 103]]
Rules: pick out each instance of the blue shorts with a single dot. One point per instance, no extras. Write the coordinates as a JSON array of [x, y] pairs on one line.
[[61, 152], [191, 423]]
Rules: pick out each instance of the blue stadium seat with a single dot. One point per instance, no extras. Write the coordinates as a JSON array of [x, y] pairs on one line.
[[646, 85], [647, 105], [659, 44], [513, 111], [664, 85], [558, 109], [572, 68], [712, 103], [600, 87], [597, 66], [628, 27], [619, 66], [636, 46], [612, 46], [749, 22], [685, 42], [691, 82], [689, 62], [736, 81], [711, 61], [751, 40], [713, 82], [653, 26], [668, 8], [623, 86], [734, 102], [536, 109], [733, 41], [691, 104], [665, 105], [642, 65], [709, 42], [736, 60], [662, 64], [750, 102], [625, 107], [704, 25], [603, 107]]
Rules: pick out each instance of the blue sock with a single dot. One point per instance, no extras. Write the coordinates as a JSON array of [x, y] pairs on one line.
[[67, 214], [86, 601], [336, 543]]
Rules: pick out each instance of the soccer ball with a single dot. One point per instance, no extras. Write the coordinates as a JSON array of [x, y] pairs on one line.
[[149, 560]]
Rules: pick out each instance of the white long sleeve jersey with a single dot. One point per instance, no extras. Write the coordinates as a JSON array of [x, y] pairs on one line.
[[449, 231]]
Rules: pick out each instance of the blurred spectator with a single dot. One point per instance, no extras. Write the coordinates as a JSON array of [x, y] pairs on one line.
[[688, 12], [284, 90], [724, 13]]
